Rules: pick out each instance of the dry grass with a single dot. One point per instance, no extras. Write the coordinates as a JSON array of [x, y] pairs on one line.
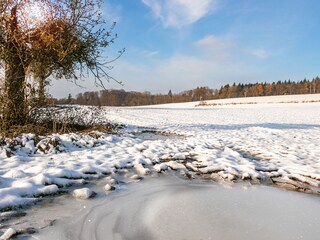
[[51, 127]]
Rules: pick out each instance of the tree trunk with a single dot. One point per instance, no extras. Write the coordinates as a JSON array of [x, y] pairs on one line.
[[14, 103], [14, 96], [41, 91]]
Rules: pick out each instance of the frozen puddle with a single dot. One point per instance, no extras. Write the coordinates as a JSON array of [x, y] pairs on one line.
[[171, 208]]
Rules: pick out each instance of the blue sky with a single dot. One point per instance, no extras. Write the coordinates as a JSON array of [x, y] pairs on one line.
[[182, 44]]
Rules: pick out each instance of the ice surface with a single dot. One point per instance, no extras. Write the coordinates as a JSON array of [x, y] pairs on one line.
[[171, 208]]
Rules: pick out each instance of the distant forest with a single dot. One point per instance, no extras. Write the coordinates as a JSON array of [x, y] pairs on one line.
[[123, 98]]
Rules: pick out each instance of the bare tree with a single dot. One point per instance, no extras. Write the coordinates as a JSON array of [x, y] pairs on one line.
[[67, 40]]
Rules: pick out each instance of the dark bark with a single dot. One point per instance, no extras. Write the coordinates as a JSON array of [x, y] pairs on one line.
[[14, 104]]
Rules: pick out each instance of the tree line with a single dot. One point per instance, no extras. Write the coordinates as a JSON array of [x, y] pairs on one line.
[[287, 87], [123, 98]]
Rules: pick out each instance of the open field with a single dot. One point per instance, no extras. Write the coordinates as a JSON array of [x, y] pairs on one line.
[[275, 141]]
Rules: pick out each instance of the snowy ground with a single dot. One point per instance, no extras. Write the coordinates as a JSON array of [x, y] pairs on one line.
[[269, 140]]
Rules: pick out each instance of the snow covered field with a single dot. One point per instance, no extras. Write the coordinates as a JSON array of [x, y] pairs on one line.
[[268, 140]]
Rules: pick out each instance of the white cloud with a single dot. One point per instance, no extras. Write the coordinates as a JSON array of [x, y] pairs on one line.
[[260, 53], [214, 43], [217, 48], [149, 54], [179, 13], [112, 12], [223, 47], [178, 73], [181, 72]]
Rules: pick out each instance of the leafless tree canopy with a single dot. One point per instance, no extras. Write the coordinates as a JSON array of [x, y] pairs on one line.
[[61, 38]]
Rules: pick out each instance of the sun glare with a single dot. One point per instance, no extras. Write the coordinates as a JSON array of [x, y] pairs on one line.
[[32, 14]]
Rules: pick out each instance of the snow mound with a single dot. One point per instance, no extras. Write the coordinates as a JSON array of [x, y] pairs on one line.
[[83, 193]]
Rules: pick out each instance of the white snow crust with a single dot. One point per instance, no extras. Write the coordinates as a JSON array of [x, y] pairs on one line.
[[83, 193], [272, 140]]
